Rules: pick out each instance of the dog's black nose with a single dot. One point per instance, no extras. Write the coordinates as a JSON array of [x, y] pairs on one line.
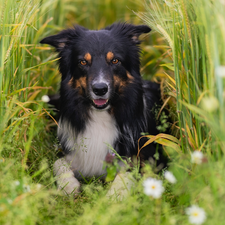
[[100, 88]]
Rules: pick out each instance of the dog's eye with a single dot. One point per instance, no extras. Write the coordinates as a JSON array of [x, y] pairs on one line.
[[83, 62], [115, 61]]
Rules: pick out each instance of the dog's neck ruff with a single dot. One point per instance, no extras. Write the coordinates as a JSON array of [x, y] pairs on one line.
[[89, 148]]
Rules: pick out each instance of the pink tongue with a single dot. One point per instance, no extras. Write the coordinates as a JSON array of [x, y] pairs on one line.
[[100, 102]]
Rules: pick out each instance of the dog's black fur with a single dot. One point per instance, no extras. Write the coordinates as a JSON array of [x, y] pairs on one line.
[[101, 73]]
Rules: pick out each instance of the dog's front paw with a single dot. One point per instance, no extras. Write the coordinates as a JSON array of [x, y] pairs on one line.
[[121, 186], [68, 184], [65, 177]]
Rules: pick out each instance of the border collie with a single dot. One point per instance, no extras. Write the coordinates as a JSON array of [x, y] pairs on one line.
[[103, 100]]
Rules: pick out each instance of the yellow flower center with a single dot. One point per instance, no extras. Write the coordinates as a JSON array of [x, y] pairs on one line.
[[153, 186], [195, 214]]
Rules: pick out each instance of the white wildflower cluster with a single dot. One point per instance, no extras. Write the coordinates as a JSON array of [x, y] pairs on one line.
[[196, 214], [197, 157], [153, 187]]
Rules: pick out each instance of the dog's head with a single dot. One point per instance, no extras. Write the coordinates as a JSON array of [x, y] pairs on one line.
[[99, 64]]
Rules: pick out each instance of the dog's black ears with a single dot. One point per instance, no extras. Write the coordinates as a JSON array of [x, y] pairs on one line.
[[140, 29], [60, 40], [130, 30]]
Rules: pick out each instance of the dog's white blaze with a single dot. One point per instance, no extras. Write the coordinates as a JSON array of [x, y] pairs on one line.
[[89, 149], [101, 79]]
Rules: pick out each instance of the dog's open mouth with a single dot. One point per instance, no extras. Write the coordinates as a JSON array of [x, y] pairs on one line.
[[100, 103]]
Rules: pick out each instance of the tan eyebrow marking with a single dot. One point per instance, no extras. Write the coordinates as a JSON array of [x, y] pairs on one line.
[[109, 56], [87, 57]]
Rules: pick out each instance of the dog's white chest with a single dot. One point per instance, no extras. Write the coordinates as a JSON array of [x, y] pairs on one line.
[[89, 149]]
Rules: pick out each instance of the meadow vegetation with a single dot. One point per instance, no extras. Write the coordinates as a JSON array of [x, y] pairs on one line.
[[185, 52]]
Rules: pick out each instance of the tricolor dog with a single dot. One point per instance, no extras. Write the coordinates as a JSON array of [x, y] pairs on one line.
[[103, 100]]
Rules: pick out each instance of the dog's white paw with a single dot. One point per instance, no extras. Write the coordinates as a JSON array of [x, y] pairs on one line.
[[69, 184], [121, 186], [65, 177]]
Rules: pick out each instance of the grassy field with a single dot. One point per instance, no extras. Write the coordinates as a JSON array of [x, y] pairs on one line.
[[186, 51]]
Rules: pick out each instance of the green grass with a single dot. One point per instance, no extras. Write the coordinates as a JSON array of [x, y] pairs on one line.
[[188, 57]]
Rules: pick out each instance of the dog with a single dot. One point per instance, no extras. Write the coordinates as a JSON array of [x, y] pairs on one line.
[[103, 100]]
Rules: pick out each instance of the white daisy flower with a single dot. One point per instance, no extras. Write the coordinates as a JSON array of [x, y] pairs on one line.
[[170, 177], [196, 157], [45, 98], [153, 187], [196, 214]]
